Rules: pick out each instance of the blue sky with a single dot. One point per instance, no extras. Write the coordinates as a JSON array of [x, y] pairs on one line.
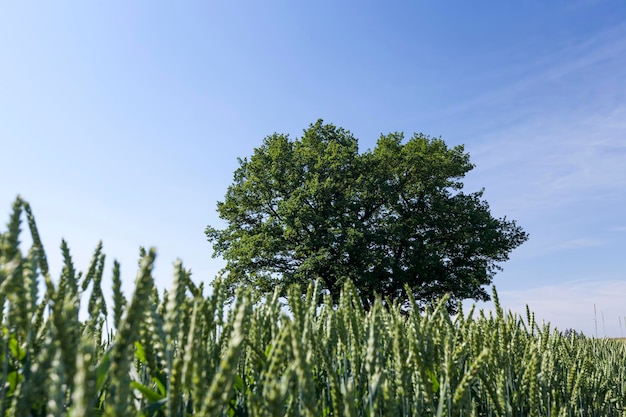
[[123, 121]]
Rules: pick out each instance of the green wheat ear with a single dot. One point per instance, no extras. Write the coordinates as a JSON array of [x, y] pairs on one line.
[[37, 245], [119, 301], [11, 241], [124, 342]]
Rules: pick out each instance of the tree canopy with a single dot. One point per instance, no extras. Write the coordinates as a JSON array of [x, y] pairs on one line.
[[388, 219]]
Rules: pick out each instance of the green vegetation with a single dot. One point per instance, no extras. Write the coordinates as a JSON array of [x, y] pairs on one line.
[[393, 220], [185, 353]]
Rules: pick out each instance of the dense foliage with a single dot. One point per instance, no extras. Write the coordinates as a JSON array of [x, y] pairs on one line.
[[184, 353], [388, 219]]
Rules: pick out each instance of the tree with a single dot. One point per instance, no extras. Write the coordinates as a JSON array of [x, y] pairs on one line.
[[388, 219]]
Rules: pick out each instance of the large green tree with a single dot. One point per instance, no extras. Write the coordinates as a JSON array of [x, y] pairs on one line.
[[388, 219]]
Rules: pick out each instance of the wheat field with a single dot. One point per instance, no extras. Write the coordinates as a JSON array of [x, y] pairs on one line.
[[188, 351]]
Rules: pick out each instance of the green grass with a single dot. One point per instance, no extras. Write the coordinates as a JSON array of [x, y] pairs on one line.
[[187, 352]]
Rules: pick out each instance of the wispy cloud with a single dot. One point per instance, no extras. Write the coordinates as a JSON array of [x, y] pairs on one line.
[[579, 305], [600, 53], [579, 243], [557, 135], [553, 156]]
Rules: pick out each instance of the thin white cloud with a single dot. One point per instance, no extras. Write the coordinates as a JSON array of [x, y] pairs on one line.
[[579, 305], [558, 137], [580, 243], [531, 169], [606, 48], [556, 146]]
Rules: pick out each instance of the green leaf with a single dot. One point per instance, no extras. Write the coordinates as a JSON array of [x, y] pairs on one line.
[[102, 370], [238, 383], [16, 350], [148, 394], [12, 379], [152, 408], [433, 380], [140, 353], [159, 382]]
